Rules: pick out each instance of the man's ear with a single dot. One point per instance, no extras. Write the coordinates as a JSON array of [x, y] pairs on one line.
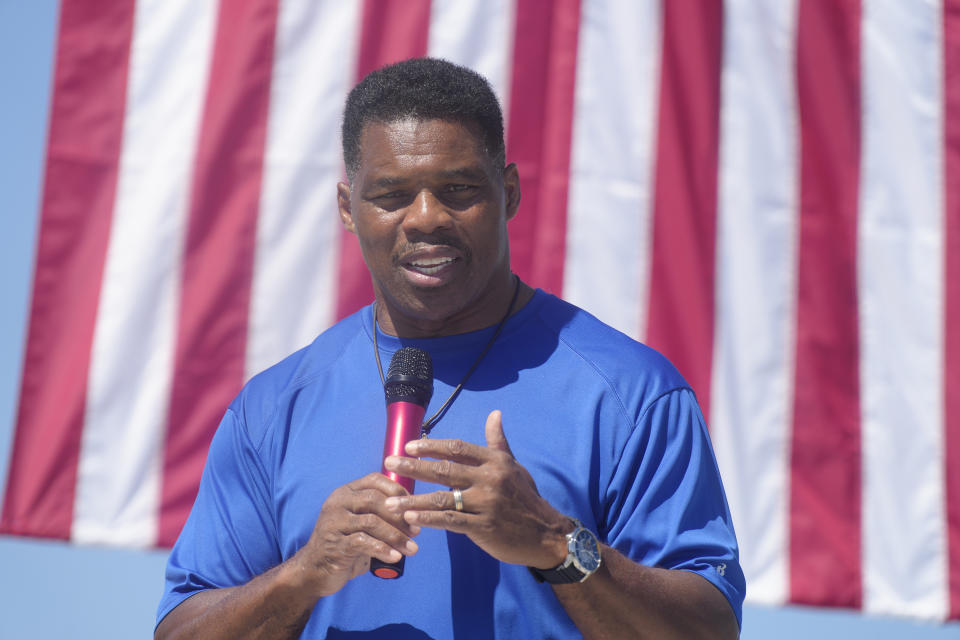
[[343, 204], [511, 189]]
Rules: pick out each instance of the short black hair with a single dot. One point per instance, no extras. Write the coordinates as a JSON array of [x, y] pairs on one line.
[[424, 89]]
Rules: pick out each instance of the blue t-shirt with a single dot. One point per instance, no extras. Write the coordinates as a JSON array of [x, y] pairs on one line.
[[609, 430]]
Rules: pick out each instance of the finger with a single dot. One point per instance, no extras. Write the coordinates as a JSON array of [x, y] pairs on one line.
[[445, 472], [456, 521], [362, 547], [448, 449], [377, 482], [367, 496], [494, 432], [369, 534], [435, 501]]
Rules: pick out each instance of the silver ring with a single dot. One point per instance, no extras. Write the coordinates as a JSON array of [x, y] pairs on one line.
[[458, 499]]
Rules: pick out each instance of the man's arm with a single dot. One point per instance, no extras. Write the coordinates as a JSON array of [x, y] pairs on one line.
[[270, 606], [352, 527], [626, 600], [505, 516]]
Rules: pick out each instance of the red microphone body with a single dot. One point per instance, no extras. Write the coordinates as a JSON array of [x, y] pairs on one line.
[[404, 420], [407, 391]]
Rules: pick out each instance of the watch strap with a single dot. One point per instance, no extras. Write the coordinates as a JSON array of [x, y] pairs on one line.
[[567, 572], [558, 575]]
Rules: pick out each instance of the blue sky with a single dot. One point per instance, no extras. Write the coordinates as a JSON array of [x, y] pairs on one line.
[[54, 590]]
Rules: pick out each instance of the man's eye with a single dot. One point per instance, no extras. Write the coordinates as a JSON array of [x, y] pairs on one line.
[[460, 192], [390, 199]]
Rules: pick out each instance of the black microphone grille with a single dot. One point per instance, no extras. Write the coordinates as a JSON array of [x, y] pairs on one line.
[[410, 376]]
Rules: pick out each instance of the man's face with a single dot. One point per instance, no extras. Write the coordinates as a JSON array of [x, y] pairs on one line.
[[430, 210]]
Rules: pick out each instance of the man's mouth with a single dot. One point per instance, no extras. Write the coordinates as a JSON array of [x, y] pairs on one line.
[[430, 266]]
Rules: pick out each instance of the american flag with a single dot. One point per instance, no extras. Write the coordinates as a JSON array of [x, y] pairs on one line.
[[766, 191]]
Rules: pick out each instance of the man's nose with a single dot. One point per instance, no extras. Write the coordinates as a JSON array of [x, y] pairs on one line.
[[426, 213]]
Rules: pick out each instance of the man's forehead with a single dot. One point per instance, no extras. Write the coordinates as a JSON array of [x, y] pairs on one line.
[[413, 126], [381, 143]]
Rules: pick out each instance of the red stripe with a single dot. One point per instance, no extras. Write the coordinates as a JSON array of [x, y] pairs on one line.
[[681, 305], [951, 92], [825, 508], [218, 262], [539, 132], [391, 31], [84, 144]]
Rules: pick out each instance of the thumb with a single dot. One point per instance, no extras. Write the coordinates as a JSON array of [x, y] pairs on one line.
[[494, 432]]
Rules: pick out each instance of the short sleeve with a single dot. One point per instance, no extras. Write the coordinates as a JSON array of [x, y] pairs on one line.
[[230, 536], [665, 505]]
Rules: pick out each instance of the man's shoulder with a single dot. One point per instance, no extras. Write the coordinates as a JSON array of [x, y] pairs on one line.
[[617, 357], [262, 393]]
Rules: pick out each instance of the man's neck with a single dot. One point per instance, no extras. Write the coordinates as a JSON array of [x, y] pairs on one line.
[[404, 327]]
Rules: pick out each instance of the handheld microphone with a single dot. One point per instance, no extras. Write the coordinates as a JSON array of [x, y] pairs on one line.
[[407, 390]]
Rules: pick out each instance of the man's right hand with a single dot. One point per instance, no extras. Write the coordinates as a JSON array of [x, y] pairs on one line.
[[353, 526]]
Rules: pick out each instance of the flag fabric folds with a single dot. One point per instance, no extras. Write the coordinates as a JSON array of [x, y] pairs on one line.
[[767, 192]]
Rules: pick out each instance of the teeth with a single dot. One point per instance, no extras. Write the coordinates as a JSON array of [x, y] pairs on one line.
[[431, 265], [431, 262]]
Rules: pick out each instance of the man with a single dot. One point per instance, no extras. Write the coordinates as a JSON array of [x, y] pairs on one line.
[[588, 434]]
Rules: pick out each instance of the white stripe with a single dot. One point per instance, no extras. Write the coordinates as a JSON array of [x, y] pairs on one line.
[[295, 269], [756, 273], [118, 481], [607, 261], [901, 287], [477, 34]]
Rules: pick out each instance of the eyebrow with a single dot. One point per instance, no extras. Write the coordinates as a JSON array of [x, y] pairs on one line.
[[472, 173], [464, 173], [387, 181]]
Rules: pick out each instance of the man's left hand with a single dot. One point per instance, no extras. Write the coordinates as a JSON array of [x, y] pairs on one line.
[[502, 511]]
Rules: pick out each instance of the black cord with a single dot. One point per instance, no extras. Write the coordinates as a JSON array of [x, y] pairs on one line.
[[428, 425]]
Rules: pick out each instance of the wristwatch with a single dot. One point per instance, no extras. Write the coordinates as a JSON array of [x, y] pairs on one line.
[[583, 558]]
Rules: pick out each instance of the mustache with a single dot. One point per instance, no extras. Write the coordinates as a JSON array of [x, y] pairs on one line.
[[430, 241]]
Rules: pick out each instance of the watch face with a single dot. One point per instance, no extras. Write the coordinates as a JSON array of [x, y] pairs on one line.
[[585, 551]]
